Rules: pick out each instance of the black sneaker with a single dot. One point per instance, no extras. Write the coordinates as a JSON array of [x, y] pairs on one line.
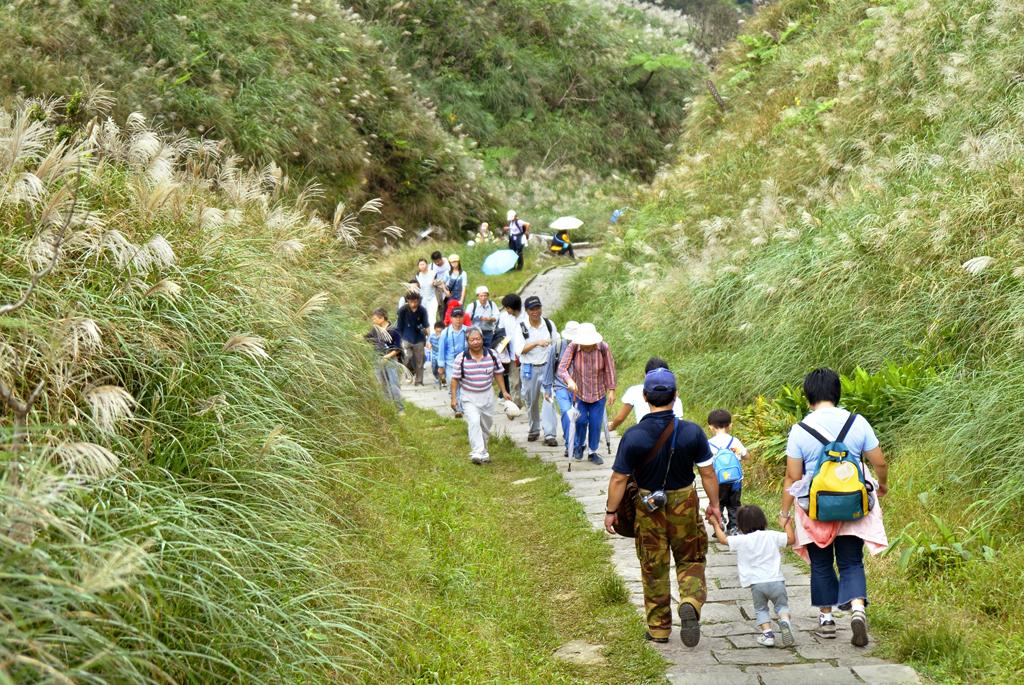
[[578, 454], [656, 640], [826, 628], [595, 459], [532, 437], [689, 629], [550, 441], [859, 626]]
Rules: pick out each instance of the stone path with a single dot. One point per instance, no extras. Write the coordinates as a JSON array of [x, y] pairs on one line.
[[728, 653]]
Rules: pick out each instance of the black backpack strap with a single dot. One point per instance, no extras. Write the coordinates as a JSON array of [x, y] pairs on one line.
[[525, 330], [815, 434], [550, 334], [846, 427]]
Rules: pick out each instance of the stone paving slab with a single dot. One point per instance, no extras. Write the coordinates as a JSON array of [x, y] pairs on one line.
[[728, 653]]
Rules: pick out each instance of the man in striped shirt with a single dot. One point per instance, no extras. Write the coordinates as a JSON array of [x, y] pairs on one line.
[[591, 381], [474, 371]]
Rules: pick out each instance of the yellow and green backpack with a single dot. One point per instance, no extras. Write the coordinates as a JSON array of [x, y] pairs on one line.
[[839, 490]]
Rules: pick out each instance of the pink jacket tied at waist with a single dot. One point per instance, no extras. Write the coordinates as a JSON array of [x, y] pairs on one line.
[[593, 371], [870, 529]]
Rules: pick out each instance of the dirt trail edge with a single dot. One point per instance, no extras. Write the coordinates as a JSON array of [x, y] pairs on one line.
[[728, 653]]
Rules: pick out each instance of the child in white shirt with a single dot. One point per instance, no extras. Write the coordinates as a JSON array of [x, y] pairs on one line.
[[759, 563], [720, 423]]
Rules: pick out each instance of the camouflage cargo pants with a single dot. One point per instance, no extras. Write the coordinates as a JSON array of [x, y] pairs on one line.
[[677, 527]]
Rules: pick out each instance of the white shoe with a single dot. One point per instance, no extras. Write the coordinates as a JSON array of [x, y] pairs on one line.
[[785, 633], [766, 639], [486, 459]]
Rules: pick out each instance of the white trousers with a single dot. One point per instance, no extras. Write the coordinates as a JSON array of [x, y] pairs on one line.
[[478, 410]]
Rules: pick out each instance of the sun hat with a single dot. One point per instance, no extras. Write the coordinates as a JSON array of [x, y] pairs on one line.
[[570, 330], [531, 302], [454, 258], [587, 334], [482, 289], [510, 215], [659, 380]]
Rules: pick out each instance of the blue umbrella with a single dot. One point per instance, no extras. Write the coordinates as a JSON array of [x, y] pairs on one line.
[[499, 262]]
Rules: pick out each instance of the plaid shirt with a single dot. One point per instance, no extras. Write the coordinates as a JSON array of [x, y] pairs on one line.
[[593, 371]]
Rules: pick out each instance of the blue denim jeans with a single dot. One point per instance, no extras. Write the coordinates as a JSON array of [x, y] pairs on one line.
[[774, 592], [592, 418], [847, 554]]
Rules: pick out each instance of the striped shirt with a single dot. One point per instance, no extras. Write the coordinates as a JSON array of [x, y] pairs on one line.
[[479, 375], [593, 371]]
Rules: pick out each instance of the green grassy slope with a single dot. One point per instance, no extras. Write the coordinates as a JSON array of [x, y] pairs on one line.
[[859, 202], [306, 86], [390, 106], [547, 84]]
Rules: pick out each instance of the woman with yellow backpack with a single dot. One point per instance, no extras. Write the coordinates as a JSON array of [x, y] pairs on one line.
[[837, 511]]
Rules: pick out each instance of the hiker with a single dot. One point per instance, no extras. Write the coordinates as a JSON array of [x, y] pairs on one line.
[[508, 322], [411, 286], [591, 382], [450, 344], [388, 342], [554, 388], [484, 234], [661, 452], [452, 305], [518, 235], [413, 325], [428, 296], [457, 281], [633, 398], [484, 314], [430, 353], [439, 269], [759, 565], [473, 374], [531, 340], [722, 440], [561, 244], [828, 544]]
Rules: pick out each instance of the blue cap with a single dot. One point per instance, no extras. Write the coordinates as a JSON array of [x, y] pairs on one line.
[[659, 380]]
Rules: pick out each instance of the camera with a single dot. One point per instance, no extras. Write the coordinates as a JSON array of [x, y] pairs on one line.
[[654, 500]]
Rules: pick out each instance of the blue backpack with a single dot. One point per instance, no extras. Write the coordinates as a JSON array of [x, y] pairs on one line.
[[727, 465]]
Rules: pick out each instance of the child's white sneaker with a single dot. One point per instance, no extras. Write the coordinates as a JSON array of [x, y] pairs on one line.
[[766, 639], [785, 633]]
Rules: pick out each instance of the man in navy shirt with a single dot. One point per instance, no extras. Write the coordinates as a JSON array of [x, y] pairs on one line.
[[675, 525], [414, 328]]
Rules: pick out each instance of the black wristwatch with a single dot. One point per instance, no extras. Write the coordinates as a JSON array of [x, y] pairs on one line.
[[610, 512]]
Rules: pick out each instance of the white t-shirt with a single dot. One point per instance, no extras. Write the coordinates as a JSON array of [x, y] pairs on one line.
[[508, 322], [721, 442], [757, 556], [537, 355], [634, 395], [426, 281]]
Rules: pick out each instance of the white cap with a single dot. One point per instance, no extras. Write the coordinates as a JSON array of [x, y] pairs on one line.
[[454, 258], [510, 215], [587, 334], [482, 289]]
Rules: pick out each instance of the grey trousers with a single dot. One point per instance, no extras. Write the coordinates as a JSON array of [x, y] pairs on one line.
[[774, 592], [533, 395], [414, 359], [387, 376]]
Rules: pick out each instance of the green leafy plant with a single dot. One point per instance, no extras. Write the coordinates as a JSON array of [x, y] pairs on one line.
[[941, 547]]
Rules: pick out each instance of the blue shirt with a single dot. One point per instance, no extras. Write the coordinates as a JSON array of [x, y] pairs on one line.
[[691, 449], [828, 421], [554, 359], [450, 345]]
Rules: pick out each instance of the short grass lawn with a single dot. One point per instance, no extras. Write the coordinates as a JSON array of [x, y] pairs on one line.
[[487, 570]]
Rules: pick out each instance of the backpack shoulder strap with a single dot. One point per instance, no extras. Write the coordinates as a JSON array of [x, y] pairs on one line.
[[526, 331], [731, 438], [814, 434], [846, 427], [548, 322]]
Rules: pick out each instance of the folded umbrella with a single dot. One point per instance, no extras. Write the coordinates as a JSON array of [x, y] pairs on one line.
[[574, 413], [499, 262], [607, 434]]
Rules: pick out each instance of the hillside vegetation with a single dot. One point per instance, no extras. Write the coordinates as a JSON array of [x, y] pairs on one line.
[[859, 202], [409, 104]]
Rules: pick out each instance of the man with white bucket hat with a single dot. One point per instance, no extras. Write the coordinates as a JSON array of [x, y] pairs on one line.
[[484, 314], [588, 371]]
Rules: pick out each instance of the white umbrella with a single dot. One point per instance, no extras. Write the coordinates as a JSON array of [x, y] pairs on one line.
[[565, 223], [574, 413]]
